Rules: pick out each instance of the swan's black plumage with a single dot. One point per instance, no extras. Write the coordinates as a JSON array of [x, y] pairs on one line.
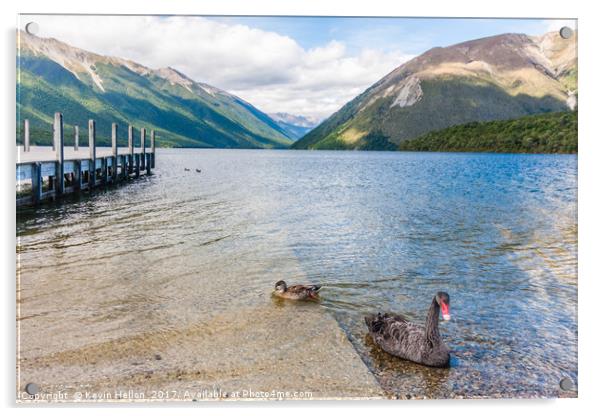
[[407, 340]]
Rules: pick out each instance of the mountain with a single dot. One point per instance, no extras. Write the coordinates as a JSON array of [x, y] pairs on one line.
[[499, 77], [54, 76], [295, 126]]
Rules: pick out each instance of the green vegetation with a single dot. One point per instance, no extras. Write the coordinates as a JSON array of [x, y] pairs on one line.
[[371, 141], [542, 133], [181, 117], [311, 140], [445, 102]]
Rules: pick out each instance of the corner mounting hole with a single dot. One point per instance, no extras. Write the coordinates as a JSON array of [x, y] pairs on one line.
[[32, 389], [566, 32], [32, 28], [566, 384]]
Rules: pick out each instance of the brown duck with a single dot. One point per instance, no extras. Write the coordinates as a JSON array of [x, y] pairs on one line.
[[296, 292], [410, 341]]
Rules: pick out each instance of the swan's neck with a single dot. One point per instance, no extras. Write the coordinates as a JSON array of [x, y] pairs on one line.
[[432, 323]]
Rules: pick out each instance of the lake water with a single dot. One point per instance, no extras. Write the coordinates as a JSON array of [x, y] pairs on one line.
[[184, 261]]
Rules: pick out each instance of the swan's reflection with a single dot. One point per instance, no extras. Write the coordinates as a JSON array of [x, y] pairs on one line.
[[405, 379]]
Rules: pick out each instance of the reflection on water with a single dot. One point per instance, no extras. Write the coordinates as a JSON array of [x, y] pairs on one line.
[[380, 231]]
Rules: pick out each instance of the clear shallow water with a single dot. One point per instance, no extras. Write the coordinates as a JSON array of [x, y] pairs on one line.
[[380, 230]]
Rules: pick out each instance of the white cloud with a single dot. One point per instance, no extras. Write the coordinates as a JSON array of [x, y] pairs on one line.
[[271, 71]]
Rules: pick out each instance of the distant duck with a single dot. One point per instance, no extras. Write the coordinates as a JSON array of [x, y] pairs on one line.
[[186, 169], [198, 170], [410, 341], [296, 292]]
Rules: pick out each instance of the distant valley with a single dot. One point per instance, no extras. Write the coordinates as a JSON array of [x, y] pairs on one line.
[[296, 126]]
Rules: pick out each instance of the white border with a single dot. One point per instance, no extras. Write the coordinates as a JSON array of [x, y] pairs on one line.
[[590, 209]]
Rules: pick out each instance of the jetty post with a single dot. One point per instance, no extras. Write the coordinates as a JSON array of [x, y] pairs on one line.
[[143, 148], [130, 149], [104, 168], [26, 135], [137, 156], [60, 155], [92, 148], [36, 182], [77, 163], [76, 138], [77, 175], [152, 143], [137, 165], [114, 151]]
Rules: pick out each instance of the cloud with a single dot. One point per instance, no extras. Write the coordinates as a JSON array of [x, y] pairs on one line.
[[269, 70]]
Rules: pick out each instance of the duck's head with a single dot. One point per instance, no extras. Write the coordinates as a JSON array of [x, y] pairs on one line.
[[442, 299], [280, 286]]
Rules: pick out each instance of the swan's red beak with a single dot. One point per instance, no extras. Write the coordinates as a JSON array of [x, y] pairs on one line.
[[445, 311]]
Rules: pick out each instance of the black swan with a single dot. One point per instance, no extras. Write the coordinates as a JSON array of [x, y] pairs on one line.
[[297, 292], [407, 340]]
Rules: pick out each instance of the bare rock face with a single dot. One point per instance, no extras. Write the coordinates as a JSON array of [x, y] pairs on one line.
[[514, 62], [560, 53], [175, 77], [409, 93]]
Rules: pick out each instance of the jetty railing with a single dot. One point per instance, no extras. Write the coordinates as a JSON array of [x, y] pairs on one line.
[[59, 176]]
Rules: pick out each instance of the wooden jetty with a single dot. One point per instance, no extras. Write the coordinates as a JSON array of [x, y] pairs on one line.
[[60, 175]]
